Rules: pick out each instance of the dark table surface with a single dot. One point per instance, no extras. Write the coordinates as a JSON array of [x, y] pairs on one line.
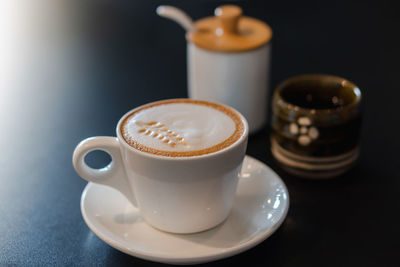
[[71, 69]]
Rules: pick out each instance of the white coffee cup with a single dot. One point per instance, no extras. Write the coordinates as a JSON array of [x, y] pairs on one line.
[[174, 194]]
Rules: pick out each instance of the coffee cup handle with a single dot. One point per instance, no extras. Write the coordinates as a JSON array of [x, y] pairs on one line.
[[113, 174]]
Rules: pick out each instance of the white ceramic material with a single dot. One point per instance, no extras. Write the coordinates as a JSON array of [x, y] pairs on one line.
[[261, 204], [239, 80], [174, 194]]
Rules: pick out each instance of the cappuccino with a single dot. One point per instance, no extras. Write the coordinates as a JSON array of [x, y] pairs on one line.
[[178, 161], [182, 127]]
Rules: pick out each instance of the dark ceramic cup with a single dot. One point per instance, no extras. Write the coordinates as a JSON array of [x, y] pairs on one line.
[[315, 125]]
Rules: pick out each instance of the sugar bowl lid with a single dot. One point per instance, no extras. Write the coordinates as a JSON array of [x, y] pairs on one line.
[[229, 31]]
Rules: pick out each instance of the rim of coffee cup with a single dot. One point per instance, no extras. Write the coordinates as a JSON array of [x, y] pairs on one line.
[[239, 141], [281, 102]]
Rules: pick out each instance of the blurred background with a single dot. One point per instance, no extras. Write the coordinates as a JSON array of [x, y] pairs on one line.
[[96, 46], [71, 69]]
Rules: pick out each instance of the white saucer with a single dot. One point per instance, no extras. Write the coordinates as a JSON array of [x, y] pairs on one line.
[[261, 205]]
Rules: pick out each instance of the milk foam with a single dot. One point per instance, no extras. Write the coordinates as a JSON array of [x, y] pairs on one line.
[[179, 127]]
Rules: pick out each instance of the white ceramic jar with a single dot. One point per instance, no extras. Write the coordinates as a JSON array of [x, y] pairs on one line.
[[228, 58]]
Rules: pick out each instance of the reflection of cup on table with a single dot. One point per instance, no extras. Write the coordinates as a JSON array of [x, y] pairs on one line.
[[177, 160], [315, 125]]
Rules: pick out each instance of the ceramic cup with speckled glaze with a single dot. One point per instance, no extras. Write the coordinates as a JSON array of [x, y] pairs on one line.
[[315, 124]]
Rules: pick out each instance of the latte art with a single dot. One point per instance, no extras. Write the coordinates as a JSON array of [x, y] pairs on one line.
[[182, 127], [160, 131]]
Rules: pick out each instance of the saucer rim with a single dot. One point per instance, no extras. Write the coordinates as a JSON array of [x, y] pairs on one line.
[[230, 251]]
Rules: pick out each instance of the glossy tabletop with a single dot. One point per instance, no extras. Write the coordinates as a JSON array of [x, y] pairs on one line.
[[71, 69]]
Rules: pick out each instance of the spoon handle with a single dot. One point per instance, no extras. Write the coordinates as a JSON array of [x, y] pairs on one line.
[[176, 15]]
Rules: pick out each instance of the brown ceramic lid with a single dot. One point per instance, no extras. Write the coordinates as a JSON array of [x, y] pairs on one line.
[[229, 31]]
